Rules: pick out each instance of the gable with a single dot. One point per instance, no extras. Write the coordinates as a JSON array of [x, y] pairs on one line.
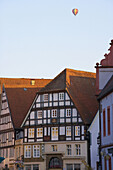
[[49, 106], [5, 116], [20, 101]]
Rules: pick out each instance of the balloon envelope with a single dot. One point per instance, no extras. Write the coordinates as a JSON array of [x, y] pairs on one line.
[[75, 11]]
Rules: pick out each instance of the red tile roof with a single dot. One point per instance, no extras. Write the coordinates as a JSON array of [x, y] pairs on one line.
[[23, 82], [81, 87], [19, 98], [20, 101]]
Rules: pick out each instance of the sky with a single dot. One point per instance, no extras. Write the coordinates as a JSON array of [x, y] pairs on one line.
[[40, 38]]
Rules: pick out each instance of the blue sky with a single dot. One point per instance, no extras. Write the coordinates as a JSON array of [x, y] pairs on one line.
[[39, 38]]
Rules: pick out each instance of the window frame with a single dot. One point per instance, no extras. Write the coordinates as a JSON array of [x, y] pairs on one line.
[[36, 151], [27, 151]]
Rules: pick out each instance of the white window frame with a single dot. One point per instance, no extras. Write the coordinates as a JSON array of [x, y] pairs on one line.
[[27, 151], [78, 149], [68, 130], [68, 112], [54, 113], [31, 132], [39, 116], [39, 132], [36, 151], [69, 150], [54, 133], [77, 130], [46, 97], [61, 96]]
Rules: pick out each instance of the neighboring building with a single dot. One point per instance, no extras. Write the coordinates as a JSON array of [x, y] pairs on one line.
[[56, 124], [94, 147], [15, 103], [104, 85]]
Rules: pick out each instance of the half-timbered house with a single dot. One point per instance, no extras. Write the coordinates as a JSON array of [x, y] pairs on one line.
[[56, 124], [15, 103]]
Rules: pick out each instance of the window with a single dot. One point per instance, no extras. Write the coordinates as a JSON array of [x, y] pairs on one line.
[[104, 124], [62, 130], [39, 132], [35, 167], [76, 166], [39, 116], [54, 113], [27, 151], [78, 150], [77, 130], [108, 119], [73, 167], [68, 112], [11, 153], [68, 149], [69, 167], [7, 153], [4, 137], [54, 148], [68, 131], [19, 151], [54, 133], [27, 167], [55, 163], [61, 96], [36, 151], [32, 115], [31, 133], [45, 97], [10, 136]]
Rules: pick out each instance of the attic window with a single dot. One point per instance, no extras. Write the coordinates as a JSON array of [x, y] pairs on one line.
[[61, 96], [32, 82], [45, 97]]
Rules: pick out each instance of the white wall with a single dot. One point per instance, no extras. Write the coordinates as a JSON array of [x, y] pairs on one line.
[[104, 76], [105, 102]]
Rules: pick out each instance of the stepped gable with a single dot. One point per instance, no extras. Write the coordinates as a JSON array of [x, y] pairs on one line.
[[107, 89], [108, 61], [20, 101], [81, 87]]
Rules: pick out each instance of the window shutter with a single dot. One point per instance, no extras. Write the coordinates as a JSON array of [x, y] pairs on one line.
[[108, 117]]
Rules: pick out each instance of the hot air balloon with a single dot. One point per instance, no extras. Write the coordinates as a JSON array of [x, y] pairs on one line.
[[75, 11]]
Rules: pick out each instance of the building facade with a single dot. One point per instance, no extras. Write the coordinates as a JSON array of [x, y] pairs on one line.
[[55, 126], [49, 124], [104, 85]]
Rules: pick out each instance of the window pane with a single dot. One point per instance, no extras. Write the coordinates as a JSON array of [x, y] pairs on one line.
[[76, 166], [69, 167], [35, 167], [28, 167]]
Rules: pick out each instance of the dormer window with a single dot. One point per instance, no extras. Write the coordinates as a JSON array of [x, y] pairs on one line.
[[45, 97], [32, 82], [61, 96]]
